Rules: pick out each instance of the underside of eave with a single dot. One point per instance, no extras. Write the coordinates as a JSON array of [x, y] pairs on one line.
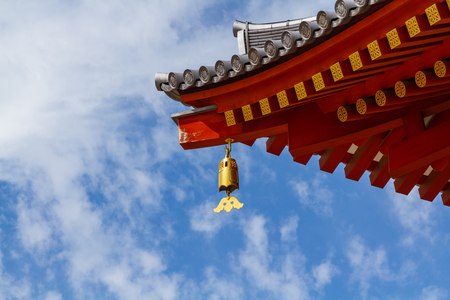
[[383, 108]]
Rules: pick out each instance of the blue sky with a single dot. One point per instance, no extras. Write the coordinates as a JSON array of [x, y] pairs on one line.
[[99, 201]]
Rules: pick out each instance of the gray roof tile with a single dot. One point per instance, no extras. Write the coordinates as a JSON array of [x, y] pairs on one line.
[[263, 45]]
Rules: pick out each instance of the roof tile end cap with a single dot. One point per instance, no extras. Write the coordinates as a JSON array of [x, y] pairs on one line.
[[161, 78], [238, 26]]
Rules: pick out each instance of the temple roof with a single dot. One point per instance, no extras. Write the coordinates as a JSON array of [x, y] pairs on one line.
[[367, 86], [262, 46]]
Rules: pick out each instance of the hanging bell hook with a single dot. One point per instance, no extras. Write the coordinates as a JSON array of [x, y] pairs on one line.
[[228, 149]]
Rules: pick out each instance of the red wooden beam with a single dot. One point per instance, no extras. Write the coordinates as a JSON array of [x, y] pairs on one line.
[[395, 136], [249, 142], [426, 29], [404, 184], [332, 157], [304, 159], [413, 124], [276, 143], [214, 131], [420, 150], [311, 131], [435, 109], [435, 182], [362, 142], [440, 118], [446, 196], [440, 164], [380, 175], [362, 158], [388, 79]]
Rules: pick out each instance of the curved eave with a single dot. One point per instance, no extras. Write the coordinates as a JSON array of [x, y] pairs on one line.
[[283, 76], [301, 45]]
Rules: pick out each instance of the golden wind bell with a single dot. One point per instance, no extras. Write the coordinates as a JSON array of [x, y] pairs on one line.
[[228, 181]]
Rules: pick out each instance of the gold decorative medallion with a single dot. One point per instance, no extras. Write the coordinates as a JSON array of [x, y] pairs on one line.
[[393, 38], [374, 50], [265, 107], [336, 71], [380, 98], [413, 27], [421, 79], [282, 99], [318, 82], [433, 14], [439, 68], [356, 61], [342, 114], [229, 117], [247, 112], [400, 89], [361, 106], [300, 90]]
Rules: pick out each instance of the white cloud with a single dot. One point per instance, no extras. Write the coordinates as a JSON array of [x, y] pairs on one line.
[[215, 288], [416, 216], [179, 194], [34, 230], [433, 293], [269, 11], [10, 288], [83, 135], [182, 188], [314, 194], [287, 280], [369, 265], [289, 229], [204, 219], [324, 272], [80, 116], [52, 295]]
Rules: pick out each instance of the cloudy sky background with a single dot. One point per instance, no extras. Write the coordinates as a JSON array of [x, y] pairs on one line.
[[99, 201]]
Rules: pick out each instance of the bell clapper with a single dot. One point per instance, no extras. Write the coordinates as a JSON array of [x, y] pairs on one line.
[[228, 181]]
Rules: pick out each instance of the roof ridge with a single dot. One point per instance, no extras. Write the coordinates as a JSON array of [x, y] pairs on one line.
[[263, 44]]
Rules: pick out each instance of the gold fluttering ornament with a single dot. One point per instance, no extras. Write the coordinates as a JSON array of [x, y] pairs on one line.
[[228, 181]]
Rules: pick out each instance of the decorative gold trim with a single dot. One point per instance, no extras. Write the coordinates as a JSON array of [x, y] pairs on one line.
[[229, 117], [439, 68], [380, 98], [374, 50], [247, 112], [448, 3], [342, 114], [413, 26], [265, 107], [228, 204], [400, 89], [282, 99], [318, 82], [421, 79], [300, 90], [433, 14], [336, 71], [361, 106], [393, 38], [355, 60]]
